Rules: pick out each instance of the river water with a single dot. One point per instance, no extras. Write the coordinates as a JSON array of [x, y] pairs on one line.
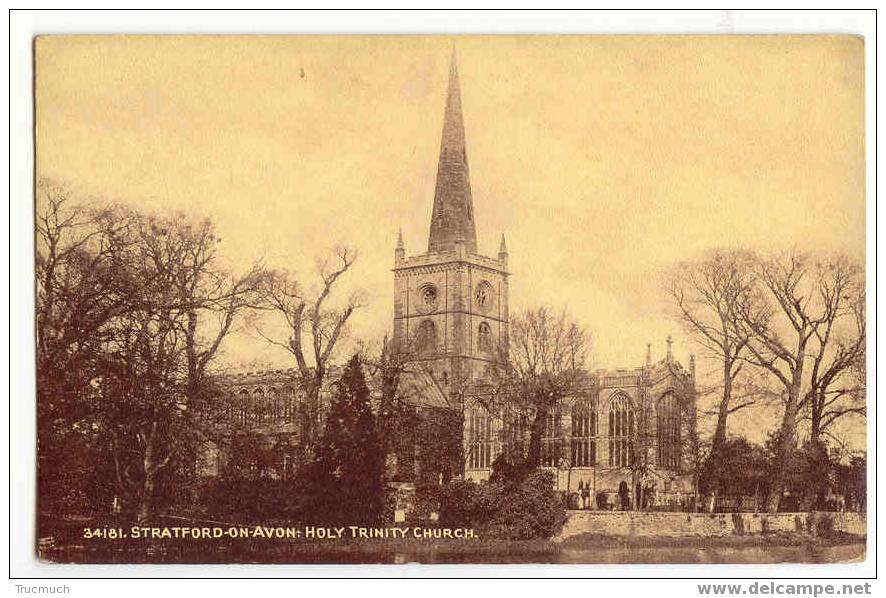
[[726, 554], [656, 555], [549, 554]]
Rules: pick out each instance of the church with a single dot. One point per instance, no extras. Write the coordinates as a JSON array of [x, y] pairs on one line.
[[624, 439]]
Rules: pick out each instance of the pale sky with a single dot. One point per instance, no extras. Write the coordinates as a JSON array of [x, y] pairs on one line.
[[603, 159]]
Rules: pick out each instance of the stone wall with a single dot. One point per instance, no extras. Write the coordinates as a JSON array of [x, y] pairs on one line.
[[631, 523]]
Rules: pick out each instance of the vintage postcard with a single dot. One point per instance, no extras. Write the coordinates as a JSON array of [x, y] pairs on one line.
[[450, 299]]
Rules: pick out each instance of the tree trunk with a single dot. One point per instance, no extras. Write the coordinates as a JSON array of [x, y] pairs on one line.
[[310, 434], [723, 412], [536, 429], [787, 442], [815, 426], [146, 503], [146, 500], [786, 445], [719, 438]]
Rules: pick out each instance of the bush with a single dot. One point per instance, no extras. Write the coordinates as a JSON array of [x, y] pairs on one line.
[[466, 504], [510, 469], [248, 501], [530, 510], [525, 510]]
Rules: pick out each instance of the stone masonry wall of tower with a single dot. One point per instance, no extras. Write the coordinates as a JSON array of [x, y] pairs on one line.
[[451, 303]]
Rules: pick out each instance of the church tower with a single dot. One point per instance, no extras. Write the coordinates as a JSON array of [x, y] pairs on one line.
[[451, 303]]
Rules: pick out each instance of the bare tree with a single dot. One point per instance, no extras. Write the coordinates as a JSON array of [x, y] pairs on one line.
[[158, 359], [212, 298], [706, 294], [540, 363], [131, 311], [83, 284], [837, 376], [787, 320], [312, 318]]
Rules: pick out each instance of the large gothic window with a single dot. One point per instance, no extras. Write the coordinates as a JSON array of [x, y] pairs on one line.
[[484, 337], [426, 337], [481, 443], [584, 435], [551, 440], [667, 419], [621, 431]]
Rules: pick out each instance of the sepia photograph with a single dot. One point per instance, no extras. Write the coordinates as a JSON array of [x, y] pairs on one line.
[[450, 299]]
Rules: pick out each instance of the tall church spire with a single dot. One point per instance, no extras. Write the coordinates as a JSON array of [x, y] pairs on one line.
[[453, 216]]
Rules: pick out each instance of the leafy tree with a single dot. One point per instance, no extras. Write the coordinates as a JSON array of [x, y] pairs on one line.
[[422, 444], [509, 468], [739, 469], [851, 481], [808, 477], [396, 421], [347, 473]]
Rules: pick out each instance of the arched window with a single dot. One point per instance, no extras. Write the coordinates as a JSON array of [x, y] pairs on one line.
[[621, 431], [286, 466], [426, 337], [288, 404], [667, 420], [273, 405], [259, 405], [584, 435], [481, 443], [243, 411], [484, 337], [229, 412], [551, 441]]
